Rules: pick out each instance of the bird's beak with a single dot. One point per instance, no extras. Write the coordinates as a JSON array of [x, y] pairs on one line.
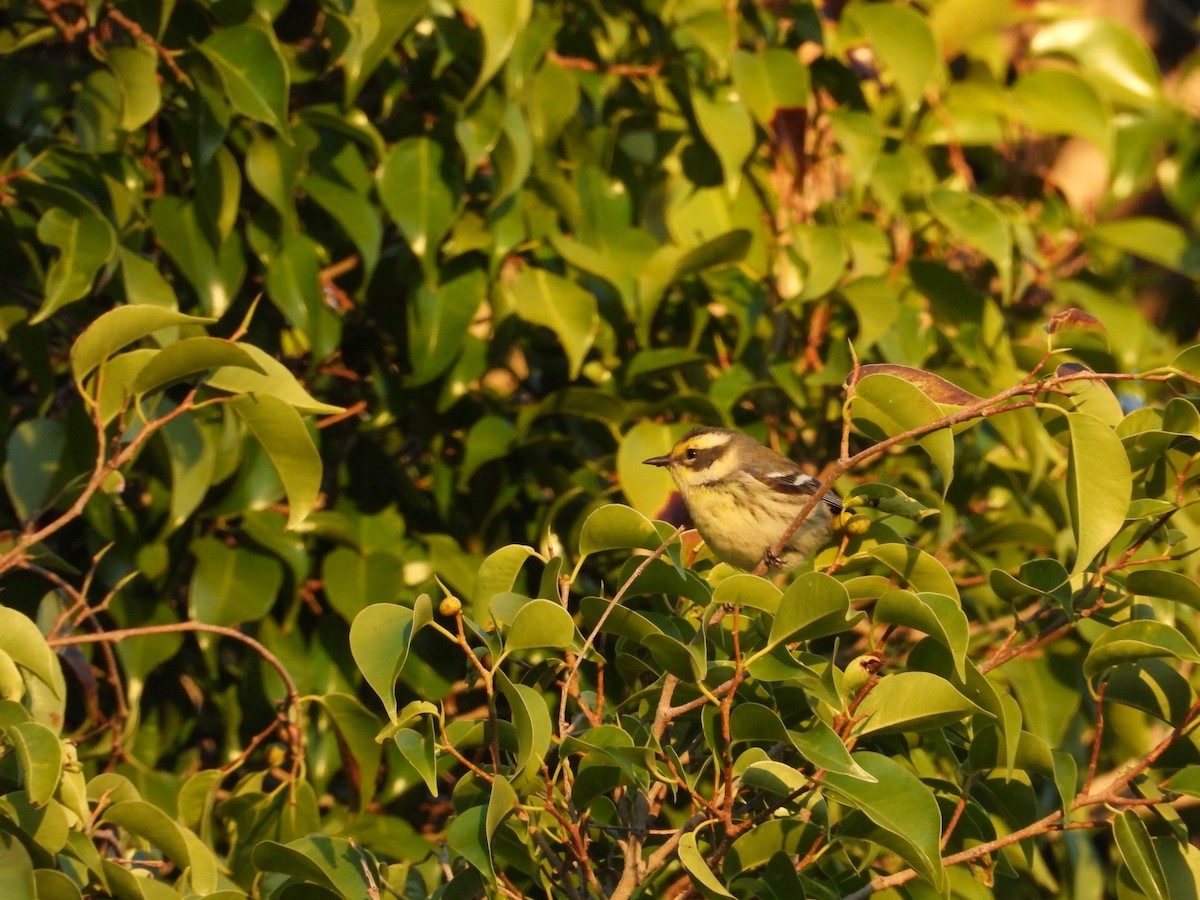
[[658, 461]]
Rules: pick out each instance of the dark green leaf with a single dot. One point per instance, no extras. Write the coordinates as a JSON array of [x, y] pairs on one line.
[[253, 72], [287, 443]]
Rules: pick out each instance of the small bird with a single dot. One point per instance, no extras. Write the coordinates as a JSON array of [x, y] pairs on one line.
[[742, 496]]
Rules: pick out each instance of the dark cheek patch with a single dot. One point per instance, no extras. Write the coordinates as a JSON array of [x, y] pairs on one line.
[[704, 458]]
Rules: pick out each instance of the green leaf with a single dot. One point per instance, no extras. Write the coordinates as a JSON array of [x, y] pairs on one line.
[[532, 720], [355, 580], [1137, 850], [540, 623], [419, 748], [616, 527], [916, 568], [498, 573], [937, 615], [33, 465], [190, 356], [21, 639], [151, 824], [467, 837], [118, 328], [887, 406], [334, 863], [904, 42], [728, 129], [818, 745], [1110, 55], [85, 244], [215, 271], [814, 605], [913, 701], [1151, 582], [231, 585], [1140, 639], [900, 804], [1156, 240], [768, 80], [283, 436], [136, 71], [17, 877], [692, 860], [501, 23], [273, 380], [1099, 486], [370, 46], [1059, 101], [977, 221], [357, 729], [671, 263], [39, 753], [438, 319], [380, 640], [776, 777], [415, 194], [489, 438], [562, 306], [253, 72]]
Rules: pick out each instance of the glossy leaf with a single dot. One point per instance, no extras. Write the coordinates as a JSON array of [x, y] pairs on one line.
[[813, 606], [187, 357], [728, 129], [1111, 56], [415, 193], [500, 24], [1099, 486], [903, 40], [617, 527], [272, 380], [568, 310], [540, 623], [287, 443], [231, 585], [380, 640], [913, 701], [85, 244], [254, 74], [1137, 850], [935, 614], [978, 222], [1137, 640], [768, 80], [891, 406], [33, 465], [39, 754], [898, 803], [692, 860], [117, 329]]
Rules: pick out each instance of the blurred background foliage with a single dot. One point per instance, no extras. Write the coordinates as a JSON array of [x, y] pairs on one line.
[[512, 249]]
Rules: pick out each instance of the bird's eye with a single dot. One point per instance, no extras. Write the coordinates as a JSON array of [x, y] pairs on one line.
[[690, 453]]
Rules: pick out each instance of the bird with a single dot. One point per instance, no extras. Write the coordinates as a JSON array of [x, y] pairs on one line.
[[742, 496]]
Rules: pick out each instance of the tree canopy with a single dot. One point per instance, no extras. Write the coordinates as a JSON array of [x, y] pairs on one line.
[[336, 333]]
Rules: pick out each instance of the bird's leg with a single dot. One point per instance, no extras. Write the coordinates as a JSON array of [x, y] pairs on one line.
[[772, 560]]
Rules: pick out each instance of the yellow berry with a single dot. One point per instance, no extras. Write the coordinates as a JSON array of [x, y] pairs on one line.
[[450, 606], [860, 671], [855, 524]]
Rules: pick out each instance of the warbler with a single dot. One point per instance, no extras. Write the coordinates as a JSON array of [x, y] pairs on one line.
[[742, 496]]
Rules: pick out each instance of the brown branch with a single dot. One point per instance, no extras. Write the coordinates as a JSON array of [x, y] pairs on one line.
[[291, 701], [591, 638], [1028, 387], [139, 34]]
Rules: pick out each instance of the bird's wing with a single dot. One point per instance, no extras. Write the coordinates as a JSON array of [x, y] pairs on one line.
[[796, 482]]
